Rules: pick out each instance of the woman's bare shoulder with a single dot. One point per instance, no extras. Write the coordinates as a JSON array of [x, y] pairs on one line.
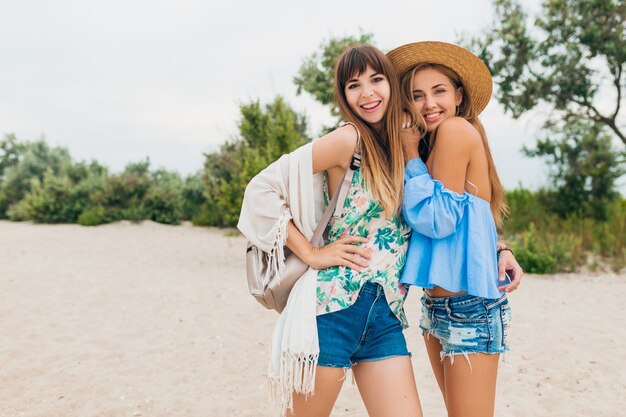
[[457, 131], [334, 148], [345, 135]]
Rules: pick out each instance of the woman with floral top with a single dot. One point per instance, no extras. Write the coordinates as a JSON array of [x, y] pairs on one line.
[[359, 297]]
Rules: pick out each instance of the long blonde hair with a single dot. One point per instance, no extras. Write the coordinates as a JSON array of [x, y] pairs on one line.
[[382, 153], [499, 207]]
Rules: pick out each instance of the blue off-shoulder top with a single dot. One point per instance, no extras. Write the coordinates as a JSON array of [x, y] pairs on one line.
[[453, 244]]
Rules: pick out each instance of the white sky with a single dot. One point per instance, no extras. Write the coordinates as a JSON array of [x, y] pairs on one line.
[[119, 80]]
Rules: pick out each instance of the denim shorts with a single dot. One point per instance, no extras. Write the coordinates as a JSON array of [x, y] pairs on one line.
[[466, 324], [366, 331]]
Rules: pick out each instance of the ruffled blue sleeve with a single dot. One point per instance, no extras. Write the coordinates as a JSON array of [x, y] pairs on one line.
[[428, 207]]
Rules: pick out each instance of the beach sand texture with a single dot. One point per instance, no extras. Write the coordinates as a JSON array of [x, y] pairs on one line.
[[154, 320]]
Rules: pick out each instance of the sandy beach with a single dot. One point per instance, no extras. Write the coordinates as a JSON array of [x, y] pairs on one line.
[[154, 320]]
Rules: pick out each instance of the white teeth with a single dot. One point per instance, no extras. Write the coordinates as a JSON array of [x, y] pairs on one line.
[[432, 116], [370, 106]]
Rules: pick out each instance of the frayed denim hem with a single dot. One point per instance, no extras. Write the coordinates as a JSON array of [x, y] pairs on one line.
[[382, 358], [506, 356]]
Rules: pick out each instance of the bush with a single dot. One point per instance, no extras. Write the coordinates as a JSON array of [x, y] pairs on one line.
[[93, 216], [83, 192], [37, 159], [62, 197], [207, 215], [535, 262], [266, 134], [193, 197], [163, 202], [128, 188], [544, 242], [48, 201]]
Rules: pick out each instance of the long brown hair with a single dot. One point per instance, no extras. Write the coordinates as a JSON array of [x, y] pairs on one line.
[[499, 207], [382, 153]]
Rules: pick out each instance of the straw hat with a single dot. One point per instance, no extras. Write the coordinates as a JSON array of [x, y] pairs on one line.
[[473, 72]]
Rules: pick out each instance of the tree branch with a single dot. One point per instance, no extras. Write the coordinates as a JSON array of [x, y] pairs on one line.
[[594, 114], [617, 81]]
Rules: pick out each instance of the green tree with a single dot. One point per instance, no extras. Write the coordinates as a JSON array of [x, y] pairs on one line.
[[559, 65], [315, 75], [272, 131], [584, 169], [11, 151], [267, 132], [561, 61]]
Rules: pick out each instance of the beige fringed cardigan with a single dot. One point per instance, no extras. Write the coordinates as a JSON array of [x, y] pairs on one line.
[[285, 190], [288, 190]]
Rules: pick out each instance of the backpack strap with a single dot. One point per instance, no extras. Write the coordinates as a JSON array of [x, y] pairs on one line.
[[339, 198], [356, 158]]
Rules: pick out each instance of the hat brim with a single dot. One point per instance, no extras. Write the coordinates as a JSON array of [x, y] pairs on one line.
[[472, 70]]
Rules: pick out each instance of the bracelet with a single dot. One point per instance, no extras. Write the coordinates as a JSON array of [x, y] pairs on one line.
[[506, 248]]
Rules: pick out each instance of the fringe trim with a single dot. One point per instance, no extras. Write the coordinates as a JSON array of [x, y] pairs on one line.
[[506, 358], [275, 259], [297, 374]]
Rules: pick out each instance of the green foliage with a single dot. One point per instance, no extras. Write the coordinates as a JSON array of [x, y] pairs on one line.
[[266, 134], [44, 202], [24, 163], [193, 197], [60, 198], [531, 259], [92, 216], [163, 201], [271, 131], [124, 193], [536, 254], [88, 182], [11, 151], [584, 169], [226, 174], [561, 61], [544, 242], [315, 75], [43, 184], [205, 216]]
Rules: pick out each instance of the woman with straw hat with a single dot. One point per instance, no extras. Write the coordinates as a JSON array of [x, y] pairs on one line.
[[453, 202]]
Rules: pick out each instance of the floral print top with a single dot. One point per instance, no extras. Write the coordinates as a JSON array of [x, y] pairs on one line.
[[338, 287]]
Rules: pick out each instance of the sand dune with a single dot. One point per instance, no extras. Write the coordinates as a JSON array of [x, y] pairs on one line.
[[153, 320]]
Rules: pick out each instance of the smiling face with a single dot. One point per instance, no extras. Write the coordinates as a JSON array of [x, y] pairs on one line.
[[367, 94], [435, 97]]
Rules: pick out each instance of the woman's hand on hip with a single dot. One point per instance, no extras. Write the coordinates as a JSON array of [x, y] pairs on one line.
[[342, 252]]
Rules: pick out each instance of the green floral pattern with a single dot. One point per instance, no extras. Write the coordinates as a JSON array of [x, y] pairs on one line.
[[338, 287]]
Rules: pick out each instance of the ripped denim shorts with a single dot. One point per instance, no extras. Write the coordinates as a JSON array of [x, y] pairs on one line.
[[466, 324]]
